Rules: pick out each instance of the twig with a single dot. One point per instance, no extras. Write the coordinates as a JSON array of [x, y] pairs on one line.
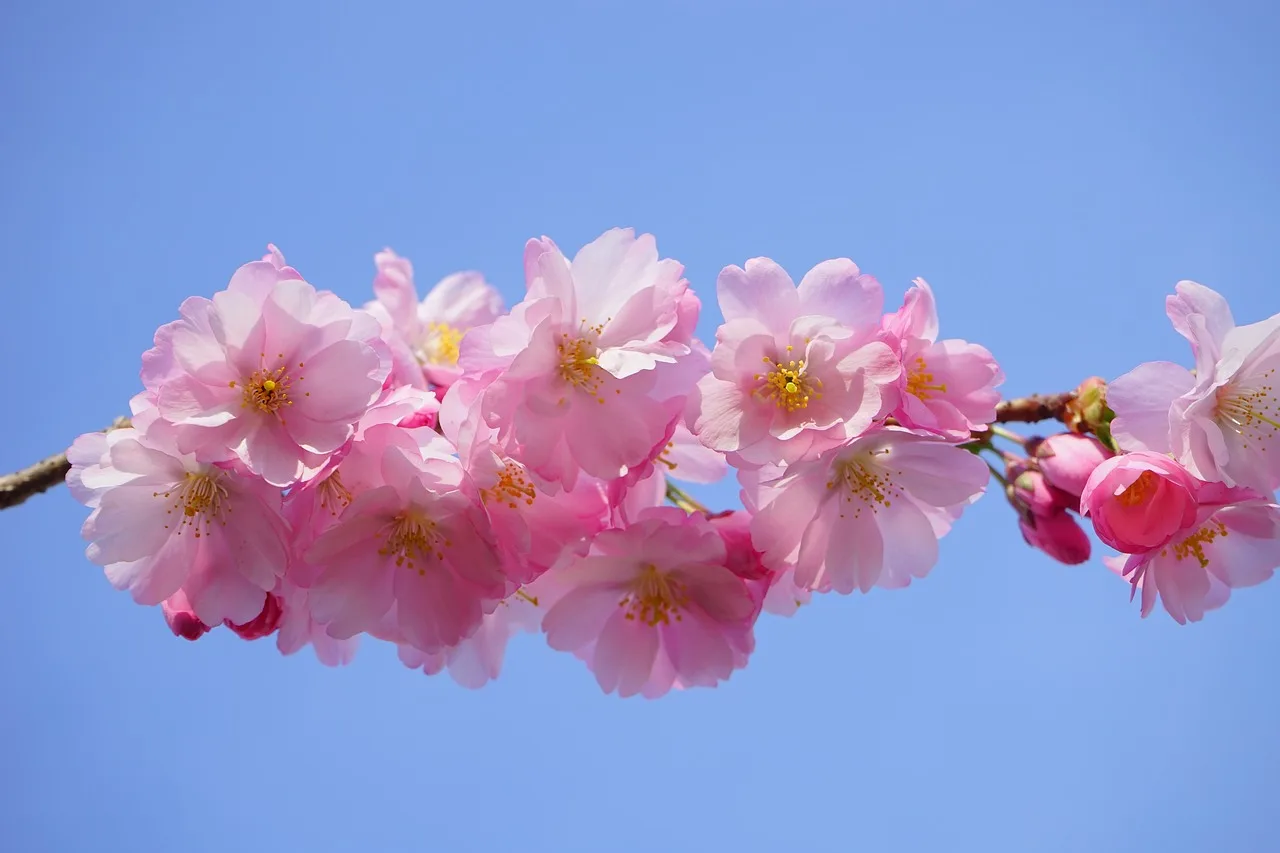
[[42, 476]]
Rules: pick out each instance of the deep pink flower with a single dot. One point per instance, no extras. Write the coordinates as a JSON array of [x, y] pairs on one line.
[[181, 618], [1057, 534], [653, 606], [425, 336], [1139, 501], [947, 387], [1223, 422], [170, 523], [262, 625], [579, 362], [270, 371], [1068, 459], [418, 543], [868, 513], [795, 369], [1224, 548]]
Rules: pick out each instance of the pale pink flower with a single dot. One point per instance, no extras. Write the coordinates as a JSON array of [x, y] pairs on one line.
[[419, 541], [298, 628], [947, 387], [577, 384], [170, 523], [654, 606], [477, 660], [794, 370], [1139, 501], [1223, 422], [1068, 459], [1224, 548], [270, 371], [425, 336], [868, 513]]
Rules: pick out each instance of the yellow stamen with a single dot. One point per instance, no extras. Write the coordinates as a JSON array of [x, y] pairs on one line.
[[412, 538], [1139, 490], [199, 502], [655, 598], [920, 382], [512, 485], [787, 385]]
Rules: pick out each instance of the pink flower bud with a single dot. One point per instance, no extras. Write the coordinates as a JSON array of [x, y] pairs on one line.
[[264, 624], [1139, 501], [1031, 492], [1058, 535], [180, 617], [1068, 459], [742, 557]]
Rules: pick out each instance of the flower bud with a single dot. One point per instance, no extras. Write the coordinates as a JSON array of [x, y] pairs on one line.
[[264, 624], [1139, 501], [1068, 459], [1088, 412], [181, 619], [1030, 491], [1058, 535]]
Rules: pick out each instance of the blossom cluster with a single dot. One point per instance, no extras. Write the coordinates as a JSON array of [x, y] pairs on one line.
[[441, 473], [1184, 485]]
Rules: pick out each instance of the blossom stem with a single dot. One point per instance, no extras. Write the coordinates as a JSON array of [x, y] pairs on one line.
[[1008, 435], [682, 499], [995, 472]]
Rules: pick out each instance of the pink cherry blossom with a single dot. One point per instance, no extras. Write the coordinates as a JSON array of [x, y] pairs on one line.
[[579, 363], [169, 523], [298, 629], [653, 606], [1224, 548], [794, 370], [181, 618], [419, 541], [1140, 501], [947, 387], [1223, 422], [425, 336], [1068, 459], [477, 660], [1057, 534], [868, 513], [270, 371]]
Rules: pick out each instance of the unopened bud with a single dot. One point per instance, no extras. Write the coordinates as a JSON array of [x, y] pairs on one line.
[[1068, 459]]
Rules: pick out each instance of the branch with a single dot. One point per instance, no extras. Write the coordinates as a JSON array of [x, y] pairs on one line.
[[42, 476], [15, 488], [1036, 407]]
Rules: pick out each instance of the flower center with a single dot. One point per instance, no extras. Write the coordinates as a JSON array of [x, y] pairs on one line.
[[1193, 545], [199, 502], [865, 482], [334, 495], [441, 345], [787, 385], [579, 366], [920, 382], [1139, 490], [268, 390], [412, 539], [1253, 413], [513, 485], [654, 597]]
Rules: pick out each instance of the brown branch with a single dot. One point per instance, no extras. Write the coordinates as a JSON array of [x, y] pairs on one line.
[[42, 476], [1036, 407], [15, 488]]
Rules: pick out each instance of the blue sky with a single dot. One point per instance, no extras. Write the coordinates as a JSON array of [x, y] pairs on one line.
[[1052, 170]]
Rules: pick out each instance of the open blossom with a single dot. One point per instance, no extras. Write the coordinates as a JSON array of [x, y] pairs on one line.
[[653, 606], [299, 628], [868, 513], [169, 523], [417, 543], [1225, 547], [425, 336], [1223, 422], [577, 385], [794, 370], [270, 371], [947, 387], [477, 660]]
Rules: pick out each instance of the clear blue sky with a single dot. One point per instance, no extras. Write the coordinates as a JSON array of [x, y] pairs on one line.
[[1052, 170]]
